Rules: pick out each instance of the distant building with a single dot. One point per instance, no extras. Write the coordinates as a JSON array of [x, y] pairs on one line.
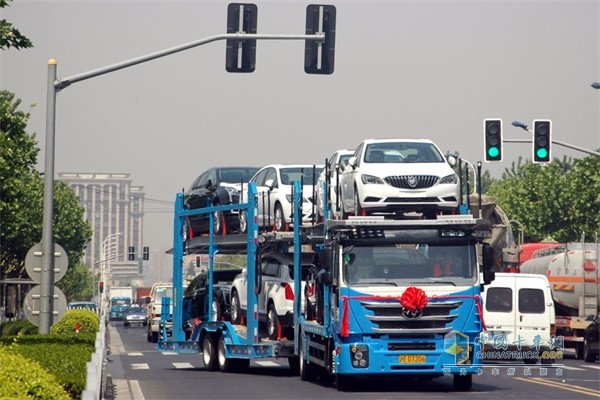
[[113, 206]]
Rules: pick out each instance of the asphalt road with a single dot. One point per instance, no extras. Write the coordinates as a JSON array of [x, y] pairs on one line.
[[138, 371]]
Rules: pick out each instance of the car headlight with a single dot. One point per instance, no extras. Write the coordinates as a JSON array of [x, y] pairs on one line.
[[370, 179], [289, 198], [449, 179]]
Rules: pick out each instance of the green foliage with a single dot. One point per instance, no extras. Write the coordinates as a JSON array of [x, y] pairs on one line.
[[558, 201], [13, 328], [21, 203], [21, 378], [87, 319], [64, 356], [77, 283], [10, 36]]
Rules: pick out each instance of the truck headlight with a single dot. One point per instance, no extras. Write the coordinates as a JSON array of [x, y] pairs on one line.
[[359, 356]]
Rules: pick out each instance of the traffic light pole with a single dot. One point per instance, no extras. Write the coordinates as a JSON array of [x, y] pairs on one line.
[[557, 142], [55, 85]]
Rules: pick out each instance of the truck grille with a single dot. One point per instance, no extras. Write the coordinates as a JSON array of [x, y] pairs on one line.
[[417, 181], [390, 318]]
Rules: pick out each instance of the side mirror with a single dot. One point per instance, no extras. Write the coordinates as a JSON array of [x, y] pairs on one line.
[[324, 277], [147, 300], [352, 161], [488, 264], [451, 160], [269, 183]]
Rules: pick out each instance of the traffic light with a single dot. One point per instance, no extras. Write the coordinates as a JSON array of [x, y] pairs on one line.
[[240, 55], [146, 253], [100, 287], [319, 56], [131, 255], [542, 139], [492, 136]]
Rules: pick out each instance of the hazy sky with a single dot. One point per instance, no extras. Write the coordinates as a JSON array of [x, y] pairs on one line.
[[403, 69]]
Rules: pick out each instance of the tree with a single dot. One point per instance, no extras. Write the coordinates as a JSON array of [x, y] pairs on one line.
[[10, 36], [77, 283], [558, 201]]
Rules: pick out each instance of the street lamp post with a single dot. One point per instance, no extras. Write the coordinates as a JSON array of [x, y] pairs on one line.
[[105, 264]]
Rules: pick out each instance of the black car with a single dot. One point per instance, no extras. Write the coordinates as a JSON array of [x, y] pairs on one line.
[[216, 186], [195, 305], [591, 350]]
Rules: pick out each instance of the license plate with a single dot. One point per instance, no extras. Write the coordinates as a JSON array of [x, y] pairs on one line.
[[412, 359]]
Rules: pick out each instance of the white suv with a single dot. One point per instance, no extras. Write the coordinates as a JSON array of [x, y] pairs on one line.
[[398, 176], [276, 297], [274, 185]]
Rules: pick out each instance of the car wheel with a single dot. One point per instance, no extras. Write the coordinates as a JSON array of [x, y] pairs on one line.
[[219, 222], [462, 383], [236, 309], [149, 335], [273, 326], [209, 352], [588, 356], [243, 221], [280, 223], [357, 209], [216, 309]]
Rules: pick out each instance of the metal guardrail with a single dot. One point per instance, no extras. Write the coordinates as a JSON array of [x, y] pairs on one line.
[[96, 368]]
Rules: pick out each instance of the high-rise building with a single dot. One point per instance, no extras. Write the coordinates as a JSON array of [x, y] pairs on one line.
[[113, 206]]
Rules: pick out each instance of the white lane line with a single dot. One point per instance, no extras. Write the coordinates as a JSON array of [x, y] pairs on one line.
[[591, 366], [135, 354], [140, 366], [169, 353], [136, 390], [572, 368], [267, 363], [182, 365]]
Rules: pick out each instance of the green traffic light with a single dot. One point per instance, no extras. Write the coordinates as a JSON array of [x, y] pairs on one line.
[[493, 152], [542, 153]]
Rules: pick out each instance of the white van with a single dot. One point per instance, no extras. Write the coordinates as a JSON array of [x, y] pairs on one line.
[[154, 310], [518, 312]]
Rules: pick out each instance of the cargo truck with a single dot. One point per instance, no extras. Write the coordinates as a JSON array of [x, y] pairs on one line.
[[573, 275], [376, 310], [120, 298]]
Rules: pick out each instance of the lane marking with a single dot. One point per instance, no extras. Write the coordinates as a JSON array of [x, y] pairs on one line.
[[135, 354], [136, 390], [564, 386], [182, 365], [169, 353], [572, 368], [140, 366], [592, 366]]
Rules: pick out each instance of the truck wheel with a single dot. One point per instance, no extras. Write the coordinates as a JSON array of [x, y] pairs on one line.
[[588, 356], [273, 326], [579, 348], [209, 352], [154, 337], [463, 383], [343, 383], [294, 363], [236, 310], [149, 335], [307, 371], [224, 362]]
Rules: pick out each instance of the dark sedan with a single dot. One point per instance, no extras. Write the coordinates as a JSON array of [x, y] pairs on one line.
[[591, 349], [195, 305], [214, 187]]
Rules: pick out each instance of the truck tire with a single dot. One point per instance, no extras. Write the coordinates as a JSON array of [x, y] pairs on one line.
[[209, 352], [462, 383], [307, 371], [344, 383], [588, 356], [225, 363], [579, 348]]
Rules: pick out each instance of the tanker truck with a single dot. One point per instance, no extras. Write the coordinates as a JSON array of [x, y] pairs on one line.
[[573, 275]]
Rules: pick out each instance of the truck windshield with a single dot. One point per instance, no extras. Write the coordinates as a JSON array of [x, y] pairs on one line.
[[120, 302], [410, 264]]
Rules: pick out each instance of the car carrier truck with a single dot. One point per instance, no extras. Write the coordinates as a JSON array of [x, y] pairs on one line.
[[377, 309]]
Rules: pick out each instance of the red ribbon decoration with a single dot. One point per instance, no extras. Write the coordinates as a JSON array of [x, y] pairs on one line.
[[414, 299], [345, 328]]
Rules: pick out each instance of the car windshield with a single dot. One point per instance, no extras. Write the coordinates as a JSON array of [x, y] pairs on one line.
[[289, 175], [403, 265], [236, 175], [399, 152], [164, 292]]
